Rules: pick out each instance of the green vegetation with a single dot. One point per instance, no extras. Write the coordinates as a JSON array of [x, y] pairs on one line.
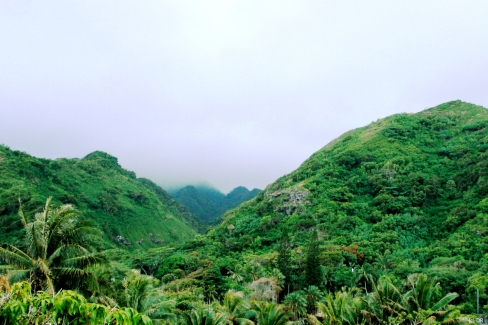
[[20, 306], [54, 249], [404, 195], [385, 225], [209, 204], [130, 212]]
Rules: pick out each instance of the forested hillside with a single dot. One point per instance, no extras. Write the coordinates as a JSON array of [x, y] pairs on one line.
[[131, 212], [404, 195], [209, 204], [387, 224]]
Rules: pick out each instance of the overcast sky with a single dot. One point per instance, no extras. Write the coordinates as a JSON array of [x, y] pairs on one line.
[[226, 92]]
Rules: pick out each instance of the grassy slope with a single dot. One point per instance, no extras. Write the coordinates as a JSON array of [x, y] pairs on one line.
[[116, 201]]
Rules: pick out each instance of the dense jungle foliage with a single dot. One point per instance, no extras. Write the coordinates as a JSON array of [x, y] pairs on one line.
[[385, 225], [209, 204], [131, 212]]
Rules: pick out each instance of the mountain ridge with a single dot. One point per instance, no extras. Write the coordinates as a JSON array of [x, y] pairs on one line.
[[131, 212]]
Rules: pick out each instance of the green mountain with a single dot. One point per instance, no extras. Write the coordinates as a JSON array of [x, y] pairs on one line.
[[239, 195], [386, 224], [208, 203], [131, 212], [405, 194]]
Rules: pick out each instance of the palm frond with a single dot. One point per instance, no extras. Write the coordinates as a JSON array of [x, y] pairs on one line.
[[108, 301], [35, 240], [444, 301], [46, 210], [14, 256], [61, 220], [81, 231], [17, 275], [85, 260], [68, 251], [44, 267], [7, 267], [244, 321], [72, 272], [49, 285], [23, 216]]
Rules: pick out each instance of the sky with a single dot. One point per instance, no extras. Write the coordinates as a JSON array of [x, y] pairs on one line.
[[231, 93]]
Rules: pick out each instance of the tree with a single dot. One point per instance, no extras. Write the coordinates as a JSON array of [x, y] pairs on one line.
[[384, 262], [54, 249], [421, 299], [264, 289], [384, 302], [270, 313], [202, 316], [236, 276], [236, 309], [284, 259], [313, 272], [313, 295], [296, 303], [362, 274], [343, 307], [140, 294]]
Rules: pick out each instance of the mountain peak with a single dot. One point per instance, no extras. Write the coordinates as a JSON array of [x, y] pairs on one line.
[[103, 158]]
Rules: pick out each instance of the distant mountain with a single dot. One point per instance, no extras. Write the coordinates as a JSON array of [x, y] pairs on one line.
[[208, 203], [238, 195], [131, 212]]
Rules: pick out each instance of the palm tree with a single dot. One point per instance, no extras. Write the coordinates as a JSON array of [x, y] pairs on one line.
[[343, 307], [253, 271], [362, 274], [140, 293], [237, 309], [385, 301], [313, 295], [212, 292], [270, 313], [54, 253], [384, 262], [202, 316], [236, 276], [420, 299], [296, 303]]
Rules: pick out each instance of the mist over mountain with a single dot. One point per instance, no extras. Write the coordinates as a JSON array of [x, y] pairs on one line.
[[208, 203]]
